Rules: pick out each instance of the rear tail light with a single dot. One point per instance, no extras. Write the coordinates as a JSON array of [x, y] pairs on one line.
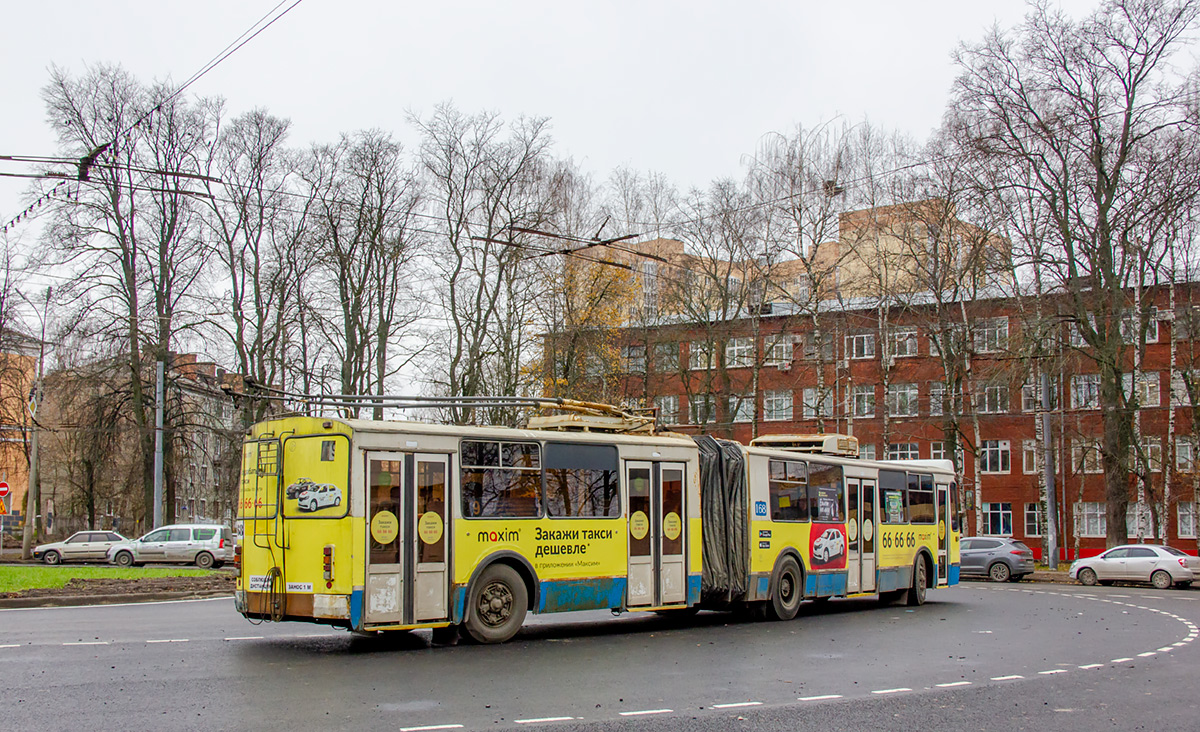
[[327, 561], [1182, 562], [237, 558], [1018, 552], [221, 545]]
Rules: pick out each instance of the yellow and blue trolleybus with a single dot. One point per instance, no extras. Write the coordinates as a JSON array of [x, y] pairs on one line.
[[376, 525]]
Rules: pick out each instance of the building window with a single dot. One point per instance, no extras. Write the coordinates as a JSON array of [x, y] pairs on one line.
[[866, 452], [1183, 383], [992, 399], [1137, 519], [860, 345], [1186, 325], [994, 456], [937, 398], [903, 451], [1151, 452], [1089, 519], [863, 401], [634, 358], [777, 405], [903, 342], [1029, 457], [701, 408], [1131, 325], [1085, 456], [991, 335], [997, 519], [668, 409], [937, 451], [1185, 454], [779, 351], [826, 347], [739, 353], [1075, 335], [902, 400], [815, 404], [1031, 394], [1147, 390], [700, 356], [666, 357], [1035, 519], [1186, 513], [1085, 391], [741, 408]]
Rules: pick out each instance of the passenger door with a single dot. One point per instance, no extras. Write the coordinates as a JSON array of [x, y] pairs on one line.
[[657, 574], [407, 558], [860, 536], [1112, 565], [153, 546], [1140, 563]]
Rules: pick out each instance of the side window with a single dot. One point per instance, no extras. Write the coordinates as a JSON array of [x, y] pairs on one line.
[[205, 534], [826, 493], [1116, 554], [1141, 553], [920, 499], [892, 499], [986, 544], [160, 535], [581, 480], [967, 545], [786, 484], [501, 479]]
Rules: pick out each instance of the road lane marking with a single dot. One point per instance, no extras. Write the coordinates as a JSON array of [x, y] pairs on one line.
[[1180, 644], [891, 691], [1165, 649], [1119, 603], [821, 697], [642, 712], [11, 645], [1010, 677], [245, 637], [953, 684], [737, 704], [427, 728], [87, 643], [1147, 654], [228, 598], [1120, 660], [1052, 671], [168, 640], [543, 719], [1093, 665]]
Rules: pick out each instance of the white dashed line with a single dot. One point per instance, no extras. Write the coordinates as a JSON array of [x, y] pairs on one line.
[[1165, 649], [1092, 665], [822, 697], [953, 684], [1052, 671], [245, 637], [87, 643], [1011, 677], [427, 728], [543, 719], [1120, 660], [1147, 654], [737, 704], [169, 640], [1180, 644], [643, 712], [891, 691]]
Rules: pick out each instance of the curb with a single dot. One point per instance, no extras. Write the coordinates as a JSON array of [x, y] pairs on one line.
[[12, 603]]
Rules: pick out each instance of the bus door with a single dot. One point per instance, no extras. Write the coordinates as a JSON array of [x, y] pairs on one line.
[[407, 567], [860, 531], [944, 524], [657, 573]]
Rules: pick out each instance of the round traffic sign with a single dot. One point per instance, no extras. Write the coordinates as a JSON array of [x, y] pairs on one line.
[[3, 488]]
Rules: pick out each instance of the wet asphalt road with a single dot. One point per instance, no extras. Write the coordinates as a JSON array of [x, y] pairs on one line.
[[976, 657]]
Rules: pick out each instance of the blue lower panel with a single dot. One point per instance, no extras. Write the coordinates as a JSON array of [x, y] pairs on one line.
[[825, 585], [584, 594], [356, 608], [952, 575], [894, 578], [693, 590]]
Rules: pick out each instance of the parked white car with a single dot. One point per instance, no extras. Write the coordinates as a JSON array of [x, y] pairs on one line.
[[205, 545], [828, 545], [1161, 566], [80, 546]]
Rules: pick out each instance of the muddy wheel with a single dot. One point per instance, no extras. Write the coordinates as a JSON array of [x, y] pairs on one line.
[[1087, 576], [916, 593], [497, 604], [785, 602]]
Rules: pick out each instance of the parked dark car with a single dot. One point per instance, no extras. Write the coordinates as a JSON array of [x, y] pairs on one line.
[[994, 557]]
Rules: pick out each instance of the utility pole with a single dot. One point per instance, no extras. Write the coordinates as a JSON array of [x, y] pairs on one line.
[[33, 500], [158, 446], [1048, 470]]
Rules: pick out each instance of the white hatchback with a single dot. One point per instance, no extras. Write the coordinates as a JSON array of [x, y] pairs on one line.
[[1161, 566]]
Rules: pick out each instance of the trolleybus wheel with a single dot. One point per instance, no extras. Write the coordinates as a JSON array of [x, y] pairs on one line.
[[785, 602], [916, 593], [496, 607]]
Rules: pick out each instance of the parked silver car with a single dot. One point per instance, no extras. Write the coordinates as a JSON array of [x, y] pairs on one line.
[[1161, 566], [205, 545], [994, 557], [80, 546]]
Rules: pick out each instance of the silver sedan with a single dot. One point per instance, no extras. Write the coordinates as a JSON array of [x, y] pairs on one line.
[[1161, 566]]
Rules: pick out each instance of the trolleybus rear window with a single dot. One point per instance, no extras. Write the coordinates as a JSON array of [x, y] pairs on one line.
[[581, 480], [501, 479]]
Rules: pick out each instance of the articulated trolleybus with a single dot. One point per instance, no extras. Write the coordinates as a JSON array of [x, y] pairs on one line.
[[377, 526]]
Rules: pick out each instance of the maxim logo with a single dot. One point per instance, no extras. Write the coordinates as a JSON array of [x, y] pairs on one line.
[[495, 536]]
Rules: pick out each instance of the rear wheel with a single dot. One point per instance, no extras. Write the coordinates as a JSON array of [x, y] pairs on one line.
[[124, 559], [999, 572], [52, 557], [916, 593], [785, 602], [204, 560], [497, 605], [1161, 579], [1087, 576]]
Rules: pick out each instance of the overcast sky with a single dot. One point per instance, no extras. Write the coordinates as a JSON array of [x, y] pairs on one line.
[[685, 89]]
